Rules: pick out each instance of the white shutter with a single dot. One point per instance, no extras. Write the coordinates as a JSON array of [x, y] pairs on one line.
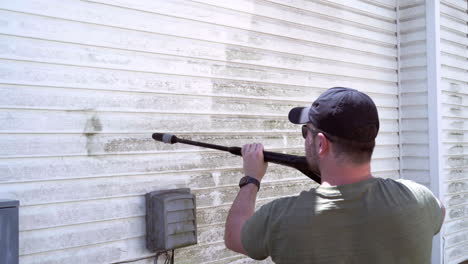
[[454, 74], [84, 84]]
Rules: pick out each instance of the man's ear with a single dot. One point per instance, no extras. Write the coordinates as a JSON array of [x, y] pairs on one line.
[[322, 144]]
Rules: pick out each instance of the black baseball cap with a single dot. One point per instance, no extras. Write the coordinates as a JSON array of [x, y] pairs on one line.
[[342, 112]]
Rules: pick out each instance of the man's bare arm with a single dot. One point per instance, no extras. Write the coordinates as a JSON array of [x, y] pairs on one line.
[[243, 206], [242, 209]]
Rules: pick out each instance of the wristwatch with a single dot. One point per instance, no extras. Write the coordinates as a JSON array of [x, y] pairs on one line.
[[247, 179]]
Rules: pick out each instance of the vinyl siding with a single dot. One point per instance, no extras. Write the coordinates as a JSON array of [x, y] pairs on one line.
[[84, 84], [415, 107], [454, 84], [413, 92]]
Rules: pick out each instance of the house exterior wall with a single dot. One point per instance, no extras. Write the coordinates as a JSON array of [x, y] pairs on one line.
[[84, 84], [413, 92], [454, 126]]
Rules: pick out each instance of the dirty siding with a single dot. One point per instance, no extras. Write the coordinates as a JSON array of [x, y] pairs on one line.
[[454, 85], [415, 108], [85, 83]]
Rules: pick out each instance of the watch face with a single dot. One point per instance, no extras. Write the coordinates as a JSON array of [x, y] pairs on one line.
[[247, 179], [243, 180]]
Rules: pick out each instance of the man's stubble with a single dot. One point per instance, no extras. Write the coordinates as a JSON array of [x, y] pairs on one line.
[[312, 158]]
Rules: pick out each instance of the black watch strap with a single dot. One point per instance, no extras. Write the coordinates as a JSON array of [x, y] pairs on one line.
[[247, 179]]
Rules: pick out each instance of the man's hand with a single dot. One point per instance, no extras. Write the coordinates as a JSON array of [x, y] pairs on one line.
[[254, 165]]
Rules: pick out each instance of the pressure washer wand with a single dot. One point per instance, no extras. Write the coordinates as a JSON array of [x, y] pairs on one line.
[[293, 161]]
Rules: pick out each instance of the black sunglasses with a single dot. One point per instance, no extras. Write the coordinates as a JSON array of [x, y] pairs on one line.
[[313, 131]]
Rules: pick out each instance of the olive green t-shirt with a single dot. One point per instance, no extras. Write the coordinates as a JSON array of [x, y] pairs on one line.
[[372, 221]]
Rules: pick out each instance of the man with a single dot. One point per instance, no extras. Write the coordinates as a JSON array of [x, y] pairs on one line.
[[352, 217]]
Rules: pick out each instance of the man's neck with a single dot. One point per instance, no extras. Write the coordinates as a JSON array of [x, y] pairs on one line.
[[334, 174]]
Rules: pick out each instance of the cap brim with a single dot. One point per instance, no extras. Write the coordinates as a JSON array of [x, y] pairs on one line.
[[299, 115]]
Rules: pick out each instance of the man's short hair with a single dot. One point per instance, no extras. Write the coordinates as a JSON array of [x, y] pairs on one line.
[[353, 151]]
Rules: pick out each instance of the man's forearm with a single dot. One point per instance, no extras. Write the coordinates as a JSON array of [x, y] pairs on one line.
[[242, 209]]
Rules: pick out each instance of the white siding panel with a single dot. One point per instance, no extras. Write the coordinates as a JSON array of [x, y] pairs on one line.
[[106, 101], [412, 49], [37, 145], [458, 238], [454, 73], [299, 8], [85, 83], [457, 25], [413, 25], [410, 12], [231, 50], [453, 48], [344, 6], [105, 253], [207, 13], [454, 60], [30, 73], [459, 4], [144, 21], [35, 193], [77, 55], [89, 122], [15, 170], [414, 112], [129, 249], [414, 139], [416, 36], [456, 37], [375, 16], [81, 235]]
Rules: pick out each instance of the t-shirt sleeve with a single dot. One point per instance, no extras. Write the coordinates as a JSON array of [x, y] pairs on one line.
[[435, 211], [255, 233], [431, 205]]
